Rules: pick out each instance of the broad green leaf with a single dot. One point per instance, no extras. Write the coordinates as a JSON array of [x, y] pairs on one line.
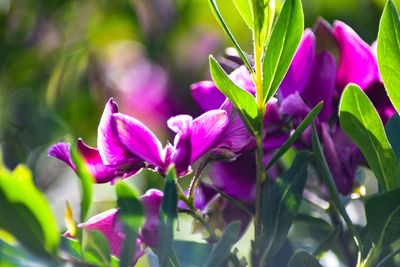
[[388, 51], [168, 215], [295, 135], [95, 248], [282, 45], [25, 213], [222, 249], [191, 253], [242, 100], [225, 27], [303, 259], [383, 217], [132, 215], [361, 122], [245, 10], [86, 181], [326, 175], [392, 130], [280, 204]]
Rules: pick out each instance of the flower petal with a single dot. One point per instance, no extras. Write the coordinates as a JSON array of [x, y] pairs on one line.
[[110, 148], [62, 152], [300, 69], [205, 131], [151, 201], [321, 86], [294, 105], [139, 140], [357, 61], [243, 79], [207, 95], [237, 178]]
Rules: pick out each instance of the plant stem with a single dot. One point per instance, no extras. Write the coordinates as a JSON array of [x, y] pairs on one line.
[[196, 178], [259, 142]]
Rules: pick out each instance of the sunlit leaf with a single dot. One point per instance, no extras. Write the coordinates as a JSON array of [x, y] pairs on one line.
[[245, 10], [361, 122], [243, 101], [25, 213], [280, 49], [388, 51], [280, 204]]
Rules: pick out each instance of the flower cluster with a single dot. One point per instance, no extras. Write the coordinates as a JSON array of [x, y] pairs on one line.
[[328, 58]]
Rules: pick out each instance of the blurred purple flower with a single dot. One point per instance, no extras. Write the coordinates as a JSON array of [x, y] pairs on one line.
[[108, 224]]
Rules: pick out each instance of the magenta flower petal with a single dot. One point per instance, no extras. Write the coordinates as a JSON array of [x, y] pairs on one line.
[[206, 129], [151, 201], [357, 61], [294, 105], [102, 173], [110, 148], [62, 152], [237, 178], [243, 79], [207, 95], [300, 69], [321, 86], [139, 140]]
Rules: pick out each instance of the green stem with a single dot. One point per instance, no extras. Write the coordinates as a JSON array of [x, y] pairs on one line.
[[196, 178]]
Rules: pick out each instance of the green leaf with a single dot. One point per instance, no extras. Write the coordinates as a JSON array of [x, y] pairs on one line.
[[383, 217], [225, 27], [263, 17], [280, 204], [303, 259], [168, 214], [392, 130], [280, 49], [325, 174], [132, 215], [327, 242], [242, 100], [245, 10], [222, 249], [191, 253], [95, 248], [388, 51], [25, 213], [86, 181], [362, 124], [295, 135]]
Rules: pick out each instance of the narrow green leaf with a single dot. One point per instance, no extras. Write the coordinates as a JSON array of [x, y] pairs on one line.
[[225, 27], [25, 213], [325, 174], [168, 214], [388, 51], [280, 204], [295, 135], [95, 248], [382, 213], [392, 130], [327, 242], [86, 181], [242, 100], [283, 43], [303, 259], [222, 250], [132, 215], [362, 124], [245, 10]]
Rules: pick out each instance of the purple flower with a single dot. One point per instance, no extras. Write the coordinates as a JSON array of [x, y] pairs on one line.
[[108, 224], [325, 62], [125, 144]]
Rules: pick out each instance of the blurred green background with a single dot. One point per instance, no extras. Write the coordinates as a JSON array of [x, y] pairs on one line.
[[60, 61]]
